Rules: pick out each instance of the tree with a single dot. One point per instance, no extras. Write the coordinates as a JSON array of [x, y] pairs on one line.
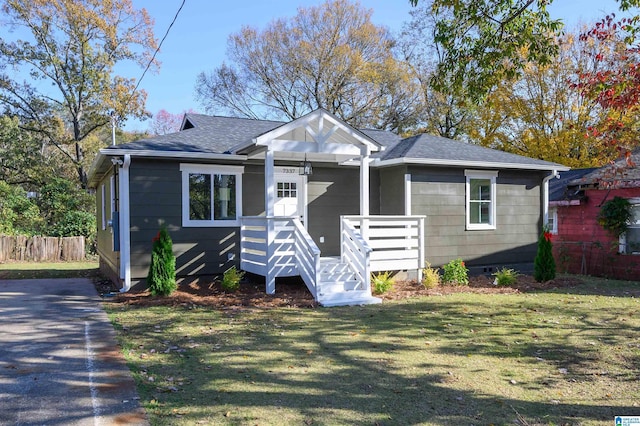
[[544, 265], [70, 56], [540, 115], [615, 84], [482, 39], [162, 271], [18, 214], [330, 56], [445, 114]]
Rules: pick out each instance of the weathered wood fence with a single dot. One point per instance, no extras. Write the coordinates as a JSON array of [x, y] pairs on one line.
[[41, 249]]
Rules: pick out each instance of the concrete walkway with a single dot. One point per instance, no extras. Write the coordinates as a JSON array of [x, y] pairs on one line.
[[59, 364]]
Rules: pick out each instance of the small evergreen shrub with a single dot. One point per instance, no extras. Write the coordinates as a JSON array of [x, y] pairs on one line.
[[162, 272], [231, 280], [382, 282], [455, 272], [505, 277], [544, 265], [430, 276]]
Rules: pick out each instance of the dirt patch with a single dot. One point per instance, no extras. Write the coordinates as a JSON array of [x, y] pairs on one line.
[[293, 292]]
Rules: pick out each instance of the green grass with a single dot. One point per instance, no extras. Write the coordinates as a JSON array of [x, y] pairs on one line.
[[24, 270], [564, 357]]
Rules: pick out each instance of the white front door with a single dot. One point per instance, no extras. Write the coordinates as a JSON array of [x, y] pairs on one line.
[[290, 193]]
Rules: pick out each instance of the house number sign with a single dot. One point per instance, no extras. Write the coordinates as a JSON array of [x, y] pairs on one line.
[[286, 170]]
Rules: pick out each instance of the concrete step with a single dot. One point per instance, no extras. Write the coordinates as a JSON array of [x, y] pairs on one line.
[[348, 298], [337, 286]]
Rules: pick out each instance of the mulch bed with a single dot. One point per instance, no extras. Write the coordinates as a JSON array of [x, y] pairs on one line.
[[206, 291]]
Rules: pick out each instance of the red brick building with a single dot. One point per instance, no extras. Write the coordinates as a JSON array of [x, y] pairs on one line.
[[581, 244]]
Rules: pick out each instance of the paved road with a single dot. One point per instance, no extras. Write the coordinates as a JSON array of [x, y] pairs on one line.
[[59, 364]]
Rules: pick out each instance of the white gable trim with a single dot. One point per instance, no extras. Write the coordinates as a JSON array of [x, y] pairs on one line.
[[321, 137]]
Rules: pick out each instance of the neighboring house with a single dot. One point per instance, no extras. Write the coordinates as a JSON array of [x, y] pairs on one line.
[[231, 192], [581, 244]]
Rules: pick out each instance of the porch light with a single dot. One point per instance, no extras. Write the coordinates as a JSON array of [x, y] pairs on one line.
[[305, 167]]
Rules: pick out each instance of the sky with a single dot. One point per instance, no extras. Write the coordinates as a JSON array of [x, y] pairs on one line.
[[198, 39]]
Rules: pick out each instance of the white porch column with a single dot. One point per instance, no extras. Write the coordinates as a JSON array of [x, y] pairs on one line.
[[364, 181], [269, 201], [269, 183]]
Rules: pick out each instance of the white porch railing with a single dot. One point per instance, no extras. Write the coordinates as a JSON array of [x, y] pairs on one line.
[[278, 247], [281, 247], [355, 252], [397, 242]]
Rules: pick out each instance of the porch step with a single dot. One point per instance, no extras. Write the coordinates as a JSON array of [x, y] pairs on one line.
[[348, 298], [337, 285]]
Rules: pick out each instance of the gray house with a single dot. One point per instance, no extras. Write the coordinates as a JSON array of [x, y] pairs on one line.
[[317, 198]]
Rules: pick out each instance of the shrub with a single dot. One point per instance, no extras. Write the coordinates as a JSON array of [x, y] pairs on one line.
[[19, 215], [382, 282], [615, 215], [455, 272], [544, 266], [162, 272], [231, 279], [505, 277], [430, 277]]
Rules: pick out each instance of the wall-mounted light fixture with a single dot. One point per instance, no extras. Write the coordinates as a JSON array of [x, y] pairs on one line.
[[305, 167]]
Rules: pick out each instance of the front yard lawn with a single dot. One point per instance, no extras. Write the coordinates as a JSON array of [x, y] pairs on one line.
[[566, 356], [23, 270]]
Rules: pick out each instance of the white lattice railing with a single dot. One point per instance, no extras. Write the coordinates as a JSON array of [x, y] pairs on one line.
[[397, 242]]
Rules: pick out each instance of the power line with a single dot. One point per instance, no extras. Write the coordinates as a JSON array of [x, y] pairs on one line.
[[156, 52]]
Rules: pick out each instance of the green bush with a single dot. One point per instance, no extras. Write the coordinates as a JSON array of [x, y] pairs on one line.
[[505, 277], [382, 282], [455, 272], [544, 266], [430, 276], [615, 215], [231, 280], [162, 272], [19, 215]]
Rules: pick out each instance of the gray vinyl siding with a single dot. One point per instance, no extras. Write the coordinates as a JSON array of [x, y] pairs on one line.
[[392, 191], [439, 193], [331, 192], [253, 190], [156, 199], [109, 260]]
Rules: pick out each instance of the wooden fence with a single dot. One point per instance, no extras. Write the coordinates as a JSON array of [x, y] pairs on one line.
[[41, 249]]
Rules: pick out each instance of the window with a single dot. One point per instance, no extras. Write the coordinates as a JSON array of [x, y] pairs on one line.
[[286, 189], [552, 220], [481, 199], [211, 195], [103, 207], [630, 240]]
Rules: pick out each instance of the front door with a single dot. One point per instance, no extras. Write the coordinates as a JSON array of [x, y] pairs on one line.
[[290, 194]]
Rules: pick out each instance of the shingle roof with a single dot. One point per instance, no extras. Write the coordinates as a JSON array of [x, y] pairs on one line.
[[439, 148], [218, 135], [210, 134], [558, 188], [622, 172]]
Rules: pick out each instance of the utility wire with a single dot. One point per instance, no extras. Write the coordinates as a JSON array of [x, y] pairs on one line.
[[156, 52]]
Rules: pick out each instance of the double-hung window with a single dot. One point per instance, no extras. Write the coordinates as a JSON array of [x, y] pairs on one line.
[[211, 195], [630, 240], [480, 199]]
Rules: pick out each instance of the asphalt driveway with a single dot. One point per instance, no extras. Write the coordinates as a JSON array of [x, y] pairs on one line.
[[59, 364]]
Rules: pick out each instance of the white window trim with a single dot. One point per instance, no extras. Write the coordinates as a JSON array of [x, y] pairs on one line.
[[553, 213], [103, 207], [211, 169], [622, 241], [481, 174]]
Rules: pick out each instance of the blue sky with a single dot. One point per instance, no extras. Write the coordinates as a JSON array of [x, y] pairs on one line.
[[198, 39]]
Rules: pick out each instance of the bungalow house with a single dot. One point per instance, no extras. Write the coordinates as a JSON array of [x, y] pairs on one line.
[[581, 244], [317, 198]]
